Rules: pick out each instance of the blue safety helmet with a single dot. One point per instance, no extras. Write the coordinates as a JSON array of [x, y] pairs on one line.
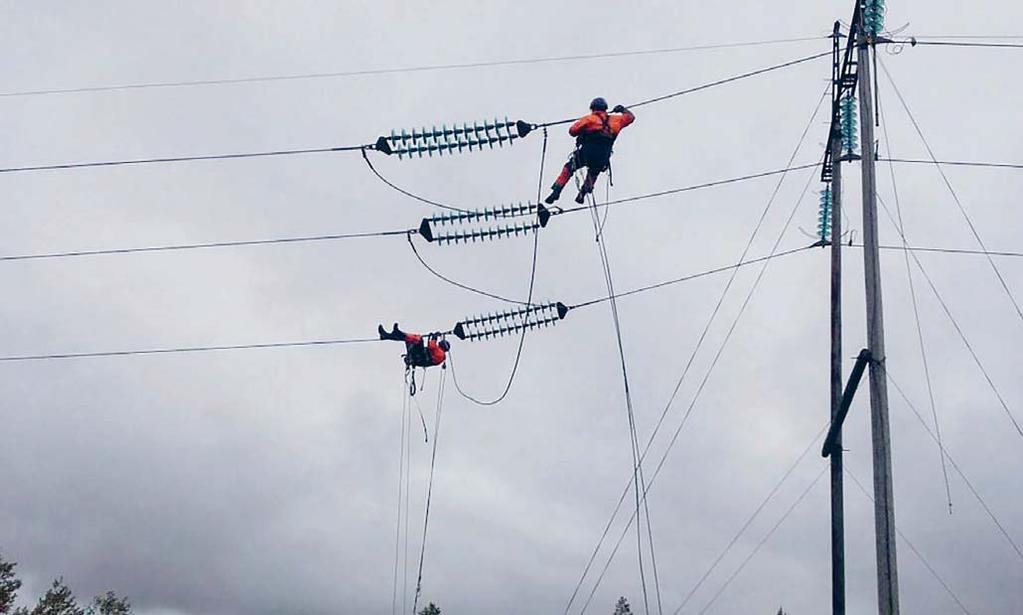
[[445, 345], [598, 104]]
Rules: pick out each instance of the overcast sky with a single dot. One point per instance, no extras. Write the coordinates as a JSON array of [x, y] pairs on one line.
[[265, 481]]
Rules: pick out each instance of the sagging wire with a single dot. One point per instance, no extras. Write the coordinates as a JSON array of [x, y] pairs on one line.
[[916, 312], [529, 302]]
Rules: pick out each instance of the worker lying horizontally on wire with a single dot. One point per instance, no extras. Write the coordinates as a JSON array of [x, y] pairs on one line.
[[417, 354]]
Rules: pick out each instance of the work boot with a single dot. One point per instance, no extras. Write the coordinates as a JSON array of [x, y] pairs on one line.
[[581, 197], [383, 333], [554, 195]]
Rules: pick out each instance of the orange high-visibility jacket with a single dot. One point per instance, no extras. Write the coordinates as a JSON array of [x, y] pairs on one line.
[[596, 121], [437, 354]]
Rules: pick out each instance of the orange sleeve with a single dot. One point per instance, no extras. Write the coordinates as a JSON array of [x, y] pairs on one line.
[[619, 121], [413, 338], [436, 352], [581, 125]]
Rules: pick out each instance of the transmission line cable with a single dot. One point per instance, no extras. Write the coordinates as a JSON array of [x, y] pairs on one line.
[[364, 147], [529, 301], [955, 197], [138, 161], [956, 163], [408, 69], [637, 465], [746, 75], [201, 246], [703, 383], [369, 234], [964, 44], [912, 547], [692, 357], [946, 250], [122, 353], [955, 325], [456, 283], [955, 466], [764, 540], [745, 526], [328, 342], [916, 309]]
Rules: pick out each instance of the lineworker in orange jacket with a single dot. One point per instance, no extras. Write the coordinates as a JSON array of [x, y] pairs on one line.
[[416, 354], [594, 136]]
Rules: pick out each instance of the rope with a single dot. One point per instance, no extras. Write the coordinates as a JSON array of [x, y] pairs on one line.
[[429, 488], [401, 476], [699, 345], [637, 472], [406, 192], [408, 499]]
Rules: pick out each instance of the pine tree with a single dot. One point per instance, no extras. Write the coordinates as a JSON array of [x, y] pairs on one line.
[[622, 607], [109, 604], [9, 585], [430, 609], [58, 600]]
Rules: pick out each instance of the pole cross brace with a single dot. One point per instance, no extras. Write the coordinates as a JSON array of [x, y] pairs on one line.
[[830, 442]]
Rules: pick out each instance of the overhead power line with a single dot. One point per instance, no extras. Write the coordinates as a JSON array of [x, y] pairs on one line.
[[364, 147], [946, 250], [333, 342], [746, 75], [919, 555], [956, 163], [406, 69], [124, 353], [694, 276], [136, 161], [963, 44], [387, 233], [955, 196], [202, 246]]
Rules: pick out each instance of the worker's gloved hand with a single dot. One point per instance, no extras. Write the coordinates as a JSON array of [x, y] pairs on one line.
[[619, 109]]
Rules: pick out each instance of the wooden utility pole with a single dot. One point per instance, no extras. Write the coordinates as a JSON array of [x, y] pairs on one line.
[[837, 505], [884, 503], [837, 489]]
